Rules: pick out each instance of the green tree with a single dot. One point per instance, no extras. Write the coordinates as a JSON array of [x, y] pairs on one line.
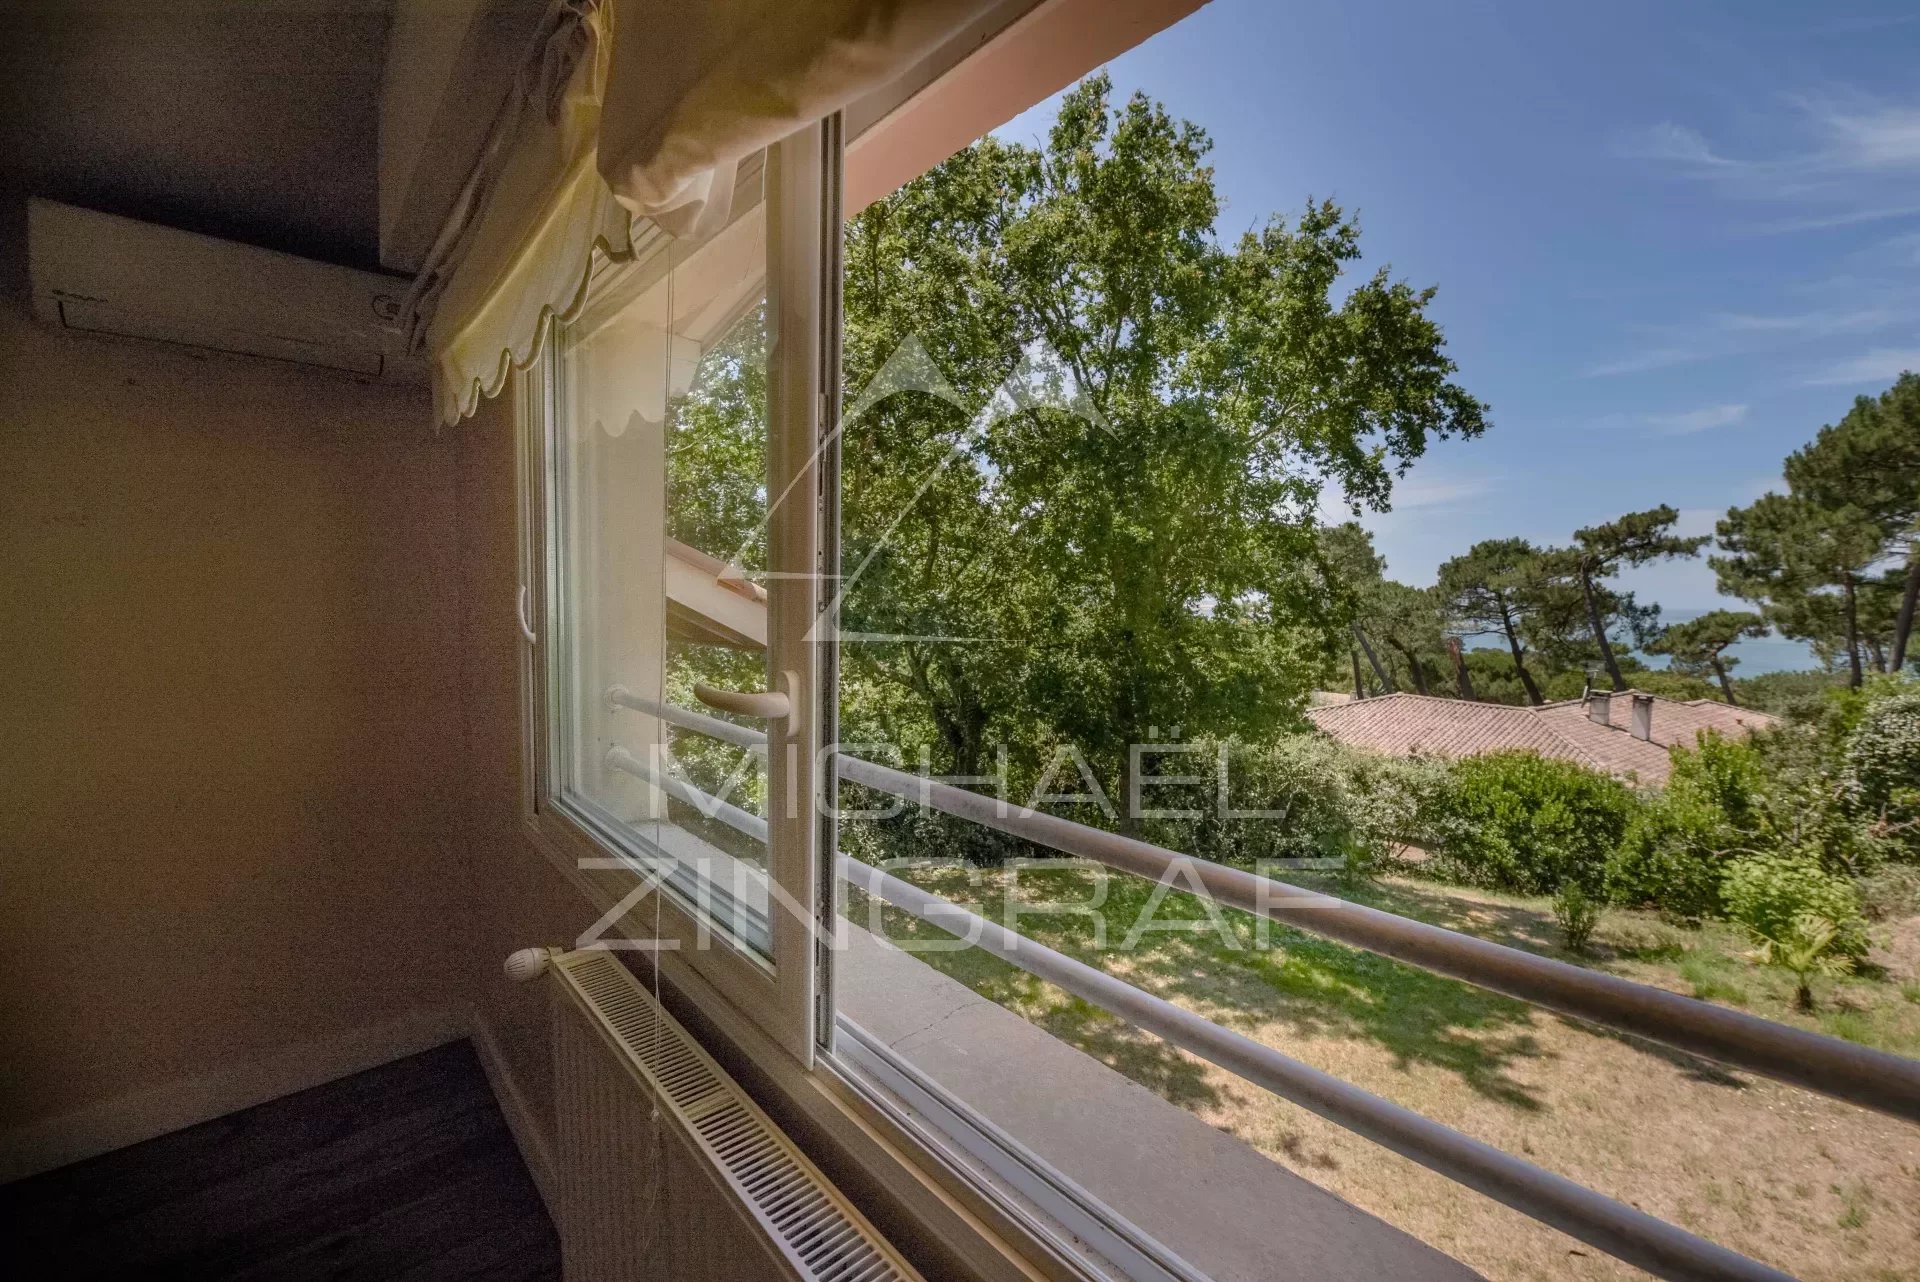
[[1483, 592], [1601, 551], [1805, 565], [1110, 495], [1410, 622], [1869, 462], [1802, 918], [1354, 575], [1700, 645]]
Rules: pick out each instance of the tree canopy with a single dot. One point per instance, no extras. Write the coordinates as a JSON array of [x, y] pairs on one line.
[[1601, 551], [1700, 644], [1094, 516]]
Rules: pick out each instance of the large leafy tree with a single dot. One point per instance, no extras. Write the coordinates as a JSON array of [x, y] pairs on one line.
[[1601, 551], [1410, 623], [1110, 496], [1355, 576], [1700, 645]]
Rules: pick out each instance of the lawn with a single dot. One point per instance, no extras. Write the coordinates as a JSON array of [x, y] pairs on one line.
[[1819, 1188]]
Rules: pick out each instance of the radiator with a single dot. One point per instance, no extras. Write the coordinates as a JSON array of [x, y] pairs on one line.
[[667, 1172]]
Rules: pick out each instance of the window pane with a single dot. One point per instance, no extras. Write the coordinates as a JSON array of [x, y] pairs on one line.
[[1533, 557], [660, 474]]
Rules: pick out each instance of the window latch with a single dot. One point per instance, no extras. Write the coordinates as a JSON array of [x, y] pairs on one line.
[[767, 705], [526, 629]]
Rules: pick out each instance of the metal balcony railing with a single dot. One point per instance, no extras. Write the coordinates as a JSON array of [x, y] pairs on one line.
[[1829, 1066]]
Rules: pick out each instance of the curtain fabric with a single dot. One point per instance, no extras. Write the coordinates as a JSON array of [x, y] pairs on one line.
[[516, 247], [697, 86], [635, 109]]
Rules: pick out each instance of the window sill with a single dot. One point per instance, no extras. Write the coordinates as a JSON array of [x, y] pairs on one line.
[[1231, 1213], [1210, 1199]]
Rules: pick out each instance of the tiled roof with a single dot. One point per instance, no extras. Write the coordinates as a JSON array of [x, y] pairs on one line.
[[1406, 725]]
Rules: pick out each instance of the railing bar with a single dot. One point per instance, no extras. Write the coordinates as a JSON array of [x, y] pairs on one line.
[[712, 807], [1826, 1065], [1628, 1234], [714, 728]]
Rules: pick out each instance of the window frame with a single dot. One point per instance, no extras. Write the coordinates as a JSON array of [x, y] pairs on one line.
[[782, 993], [1013, 57]]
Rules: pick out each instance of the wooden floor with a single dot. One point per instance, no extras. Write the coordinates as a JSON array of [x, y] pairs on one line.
[[406, 1171]]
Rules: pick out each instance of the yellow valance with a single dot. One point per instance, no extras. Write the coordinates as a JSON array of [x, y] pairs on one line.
[[635, 109]]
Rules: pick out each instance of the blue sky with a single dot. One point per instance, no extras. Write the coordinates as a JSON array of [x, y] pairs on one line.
[[1671, 241]]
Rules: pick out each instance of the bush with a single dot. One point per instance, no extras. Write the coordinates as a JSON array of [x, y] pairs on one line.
[[1321, 800], [1670, 859], [1880, 774], [1714, 807], [1788, 694], [1578, 913], [1802, 918], [1518, 821], [1771, 894], [912, 832]]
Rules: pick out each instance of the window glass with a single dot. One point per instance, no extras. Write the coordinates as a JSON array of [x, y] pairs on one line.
[[660, 471], [1374, 449]]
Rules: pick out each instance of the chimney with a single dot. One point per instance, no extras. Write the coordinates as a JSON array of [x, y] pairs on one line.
[[1642, 725], [1597, 705]]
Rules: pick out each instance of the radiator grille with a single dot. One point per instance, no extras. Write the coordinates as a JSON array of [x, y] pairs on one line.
[[805, 1218]]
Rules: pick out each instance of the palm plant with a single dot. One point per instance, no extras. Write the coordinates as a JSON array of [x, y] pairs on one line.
[[1805, 946]]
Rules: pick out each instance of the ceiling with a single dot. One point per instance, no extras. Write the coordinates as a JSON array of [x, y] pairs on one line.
[[252, 120]]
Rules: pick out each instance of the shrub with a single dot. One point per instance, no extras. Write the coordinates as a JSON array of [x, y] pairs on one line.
[[1788, 694], [912, 832], [1578, 913], [1316, 798], [1669, 859], [1713, 807], [1519, 821], [1880, 773], [1802, 918]]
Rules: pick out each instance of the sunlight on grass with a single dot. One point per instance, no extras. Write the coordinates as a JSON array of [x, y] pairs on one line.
[[1770, 1170]]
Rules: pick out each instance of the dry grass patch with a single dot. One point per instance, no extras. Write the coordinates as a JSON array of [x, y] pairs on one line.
[[1819, 1188]]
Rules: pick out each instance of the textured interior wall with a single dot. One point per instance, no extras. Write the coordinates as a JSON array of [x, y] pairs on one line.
[[229, 621], [518, 899]]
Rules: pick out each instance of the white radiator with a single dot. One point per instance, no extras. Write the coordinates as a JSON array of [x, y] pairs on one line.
[[667, 1171]]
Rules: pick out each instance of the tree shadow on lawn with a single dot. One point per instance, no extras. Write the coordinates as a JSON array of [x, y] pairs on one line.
[[1229, 969], [1694, 1068], [1153, 1063], [1315, 988], [1534, 929]]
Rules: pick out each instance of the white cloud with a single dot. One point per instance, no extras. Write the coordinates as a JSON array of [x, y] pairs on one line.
[[1842, 218], [1881, 365], [1859, 320], [1670, 142], [1740, 333], [1435, 492], [1873, 137], [1904, 251], [1850, 159], [1704, 419], [1651, 358]]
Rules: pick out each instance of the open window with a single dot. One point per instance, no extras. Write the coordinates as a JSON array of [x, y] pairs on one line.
[[675, 519]]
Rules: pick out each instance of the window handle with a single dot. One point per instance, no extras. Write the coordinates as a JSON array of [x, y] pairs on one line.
[[768, 705], [526, 629]]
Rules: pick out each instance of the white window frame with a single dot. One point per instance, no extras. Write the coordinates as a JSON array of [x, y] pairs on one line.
[[784, 994], [1013, 57]]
